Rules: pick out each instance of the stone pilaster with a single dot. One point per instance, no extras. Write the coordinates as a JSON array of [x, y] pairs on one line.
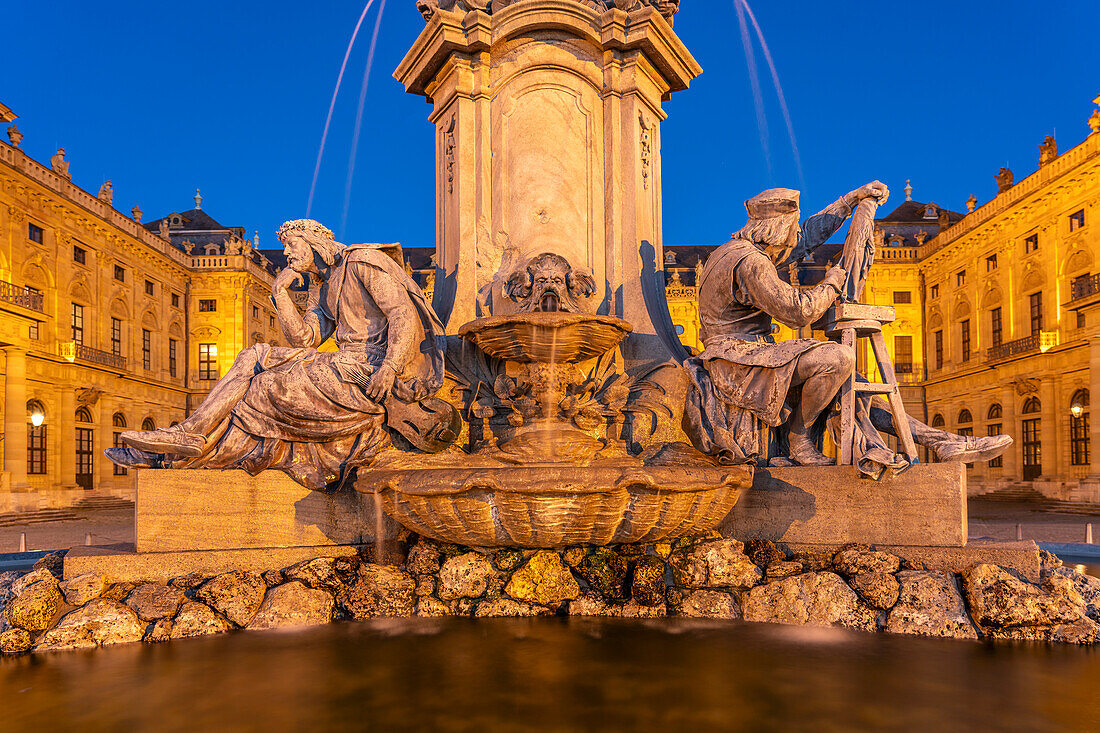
[[1048, 394], [65, 425], [15, 417]]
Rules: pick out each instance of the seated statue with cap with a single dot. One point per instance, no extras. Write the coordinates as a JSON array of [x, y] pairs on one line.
[[316, 415], [744, 381]]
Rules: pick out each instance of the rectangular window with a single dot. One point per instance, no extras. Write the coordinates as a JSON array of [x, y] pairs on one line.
[[78, 323], [991, 430], [80, 255], [34, 233], [256, 312], [1033, 448], [32, 331], [903, 354], [1077, 220], [964, 328], [995, 333], [208, 306], [36, 450], [1036, 304], [175, 300], [1031, 243], [960, 279], [939, 349], [172, 350], [146, 349], [1080, 319], [271, 321], [120, 273], [935, 291], [991, 263], [116, 337], [148, 287], [903, 296], [119, 470], [208, 361], [1079, 440], [85, 452]]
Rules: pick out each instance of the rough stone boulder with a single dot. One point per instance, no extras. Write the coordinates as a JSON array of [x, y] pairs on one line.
[[817, 599], [813, 561], [783, 569], [319, 573], [763, 552], [1086, 587], [152, 602], [236, 595], [858, 561], [543, 581], [465, 576], [929, 604], [714, 564], [83, 588], [591, 605], [378, 591], [291, 605], [709, 604], [507, 607], [606, 572], [877, 589], [102, 621], [15, 641], [35, 600], [647, 586], [197, 619], [430, 606], [999, 599], [425, 558]]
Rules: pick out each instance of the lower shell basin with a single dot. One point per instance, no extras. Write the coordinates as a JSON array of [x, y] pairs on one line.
[[557, 506], [549, 338]]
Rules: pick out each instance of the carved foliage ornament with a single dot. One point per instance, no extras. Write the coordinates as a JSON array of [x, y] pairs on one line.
[[646, 143], [428, 8]]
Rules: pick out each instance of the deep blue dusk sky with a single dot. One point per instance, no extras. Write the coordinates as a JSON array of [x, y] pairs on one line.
[[231, 97]]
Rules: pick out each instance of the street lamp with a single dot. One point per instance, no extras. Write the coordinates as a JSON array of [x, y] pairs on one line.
[[37, 418], [1077, 409]]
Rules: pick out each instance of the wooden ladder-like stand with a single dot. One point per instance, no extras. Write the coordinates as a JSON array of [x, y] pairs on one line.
[[847, 322]]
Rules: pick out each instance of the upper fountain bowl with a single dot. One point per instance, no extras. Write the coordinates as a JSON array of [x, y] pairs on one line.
[[549, 338]]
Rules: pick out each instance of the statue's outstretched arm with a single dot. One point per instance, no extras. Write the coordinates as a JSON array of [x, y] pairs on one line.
[[760, 286]]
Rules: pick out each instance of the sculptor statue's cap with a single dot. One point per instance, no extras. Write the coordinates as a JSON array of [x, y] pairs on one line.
[[772, 203]]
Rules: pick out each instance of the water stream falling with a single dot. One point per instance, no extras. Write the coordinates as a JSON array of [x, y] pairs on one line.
[[743, 9], [332, 105]]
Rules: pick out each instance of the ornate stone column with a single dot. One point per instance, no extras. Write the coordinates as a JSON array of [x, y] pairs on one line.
[[65, 425], [15, 417], [547, 118]]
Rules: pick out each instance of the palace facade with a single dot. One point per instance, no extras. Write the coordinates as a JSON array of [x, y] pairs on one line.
[[107, 324]]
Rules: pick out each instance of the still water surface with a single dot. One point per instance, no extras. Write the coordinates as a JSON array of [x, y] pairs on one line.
[[556, 675]]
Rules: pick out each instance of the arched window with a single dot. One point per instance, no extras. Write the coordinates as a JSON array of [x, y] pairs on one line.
[[1032, 406], [119, 420], [994, 412], [36, 438], [148, 424], [85, 450], [83, 415], [1032, 439], [1079, 428], [965, 417], [994, 427], [938, 421]]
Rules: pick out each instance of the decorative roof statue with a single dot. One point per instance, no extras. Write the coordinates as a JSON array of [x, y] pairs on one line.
[[59, 165], [319, 415], [1004, 179], [744, 380], [908, 190], [1094, 121], [164, 232], [1048, 150], [136, 213], [198, 199], [971, 203], [14, 136], [106, 193]]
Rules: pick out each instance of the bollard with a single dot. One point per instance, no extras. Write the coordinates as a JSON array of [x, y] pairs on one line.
[[1088, 533], [88, 539], [1019, 531], [23, 542]]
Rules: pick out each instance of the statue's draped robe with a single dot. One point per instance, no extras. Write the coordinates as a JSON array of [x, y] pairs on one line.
[[306, 412], [742, 379]]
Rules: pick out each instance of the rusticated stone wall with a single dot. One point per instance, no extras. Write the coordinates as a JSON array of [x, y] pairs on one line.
[[855, 587]]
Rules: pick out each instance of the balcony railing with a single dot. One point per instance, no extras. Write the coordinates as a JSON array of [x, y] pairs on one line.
[[72, 351], [1041, 341], [22, 297], [1083, 287]]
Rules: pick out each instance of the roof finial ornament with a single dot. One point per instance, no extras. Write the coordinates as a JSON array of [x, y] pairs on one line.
[[198, 199], [908, 190], [256, 238]]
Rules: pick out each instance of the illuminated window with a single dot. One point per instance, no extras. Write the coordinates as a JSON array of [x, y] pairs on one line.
[[208, 305], [964, 329], [80, 255], [1031, 243], [149, 287], [208, 361], [78, 323], [994, 428], [903, 354], [172, 350], [1035, 302], [148, 424], [1031, 433], [1077, 220], [36, 440], [903, 296], [991, 263], [116, 336], [120, 273], [938, 336], [119, 421], [146, 348], [1079, 429], [996, 327]]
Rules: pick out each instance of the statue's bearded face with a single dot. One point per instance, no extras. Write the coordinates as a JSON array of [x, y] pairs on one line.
[[299, 255], [550, 284]]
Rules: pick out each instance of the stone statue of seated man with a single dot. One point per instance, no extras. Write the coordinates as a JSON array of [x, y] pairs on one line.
[[744, 380], [316, 415]]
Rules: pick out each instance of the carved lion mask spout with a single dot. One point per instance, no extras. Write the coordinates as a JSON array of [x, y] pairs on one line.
[[550, 284]]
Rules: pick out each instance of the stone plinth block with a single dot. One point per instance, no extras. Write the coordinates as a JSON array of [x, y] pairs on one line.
[[833, 505], [186, 510]]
